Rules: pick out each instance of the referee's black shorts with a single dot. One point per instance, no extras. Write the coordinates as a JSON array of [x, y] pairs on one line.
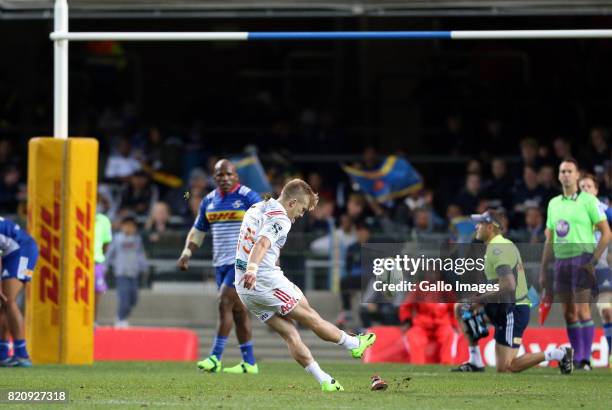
[[510, 322]]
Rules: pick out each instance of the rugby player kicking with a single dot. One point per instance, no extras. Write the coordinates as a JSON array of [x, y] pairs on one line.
[[274, 299]]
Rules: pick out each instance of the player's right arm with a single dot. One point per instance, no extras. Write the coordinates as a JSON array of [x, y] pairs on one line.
[[258, 251], [273, 229], [194, 240], [547, 256], [195, 237]]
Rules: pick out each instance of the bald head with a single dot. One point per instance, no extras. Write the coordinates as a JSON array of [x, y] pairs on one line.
[[225, 175]]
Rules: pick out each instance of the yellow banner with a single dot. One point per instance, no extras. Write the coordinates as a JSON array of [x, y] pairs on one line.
[[62, 181]]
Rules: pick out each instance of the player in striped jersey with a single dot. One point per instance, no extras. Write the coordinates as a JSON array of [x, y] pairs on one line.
[[19, 253], [221, 213]]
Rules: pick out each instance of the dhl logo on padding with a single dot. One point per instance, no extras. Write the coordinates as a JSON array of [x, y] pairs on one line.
[[224, 216]]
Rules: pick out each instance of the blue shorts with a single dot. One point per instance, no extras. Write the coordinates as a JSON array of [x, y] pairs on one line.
[[225, 275], [604, 279], [510, 322], [20, 263]]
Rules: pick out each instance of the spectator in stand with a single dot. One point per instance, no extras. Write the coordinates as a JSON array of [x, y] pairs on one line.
[[197, 185], [457, 179], [527, 192], [485, 204], [423, 228], [598, 155], [321, 220], [494, 139], [548, 181], [545, 156], [153, 148], [529, 156], [429, 317], [211, 162], [370, 159], [158, 222], [499, 187], [454, 137], [562, 149], [10, 190], [350, 282], [316, 183], [421, 221], [460, 226], [127, 258], [121, 165], [355, 207], [7, 154], [533, 231], [422, 199], [339, 238], [335, 245], [380, 219], [602, 179], [138, 196], [194, 208], [469, 196], [473, 166]]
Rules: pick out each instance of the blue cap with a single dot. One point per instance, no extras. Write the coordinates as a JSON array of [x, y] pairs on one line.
[[488, 218]]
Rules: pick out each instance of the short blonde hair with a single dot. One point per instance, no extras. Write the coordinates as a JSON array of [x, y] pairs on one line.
[[298, 189]]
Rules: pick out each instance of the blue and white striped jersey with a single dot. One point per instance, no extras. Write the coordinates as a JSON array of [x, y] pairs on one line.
[[11, 236], [222, 214]]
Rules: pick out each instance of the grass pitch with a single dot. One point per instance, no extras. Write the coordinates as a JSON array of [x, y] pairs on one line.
[[285, 385]]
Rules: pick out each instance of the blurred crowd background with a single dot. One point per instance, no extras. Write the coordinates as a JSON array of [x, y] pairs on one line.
[[485, 125]]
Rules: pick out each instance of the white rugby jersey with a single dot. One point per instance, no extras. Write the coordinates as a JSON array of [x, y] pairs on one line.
[[269, 219]]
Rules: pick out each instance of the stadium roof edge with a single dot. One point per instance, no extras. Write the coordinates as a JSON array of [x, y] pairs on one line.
[[83, 9]]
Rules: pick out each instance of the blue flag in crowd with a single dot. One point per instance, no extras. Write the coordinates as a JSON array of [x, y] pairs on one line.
[[252, 174], [394, 179]]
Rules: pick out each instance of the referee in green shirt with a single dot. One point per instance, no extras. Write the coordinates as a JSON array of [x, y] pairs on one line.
[[508, 308], [571, 220]]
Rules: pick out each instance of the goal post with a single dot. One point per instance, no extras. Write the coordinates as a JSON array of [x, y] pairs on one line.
[[62, 181]]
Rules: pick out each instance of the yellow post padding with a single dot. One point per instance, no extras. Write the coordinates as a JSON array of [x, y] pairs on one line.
[[62, 187]]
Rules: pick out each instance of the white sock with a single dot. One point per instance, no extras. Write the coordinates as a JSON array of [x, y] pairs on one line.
[[314, 369], [348, 341], [554, 354], [475, 357]]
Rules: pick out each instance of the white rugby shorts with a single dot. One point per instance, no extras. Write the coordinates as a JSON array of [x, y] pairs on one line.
[[278, 295]]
